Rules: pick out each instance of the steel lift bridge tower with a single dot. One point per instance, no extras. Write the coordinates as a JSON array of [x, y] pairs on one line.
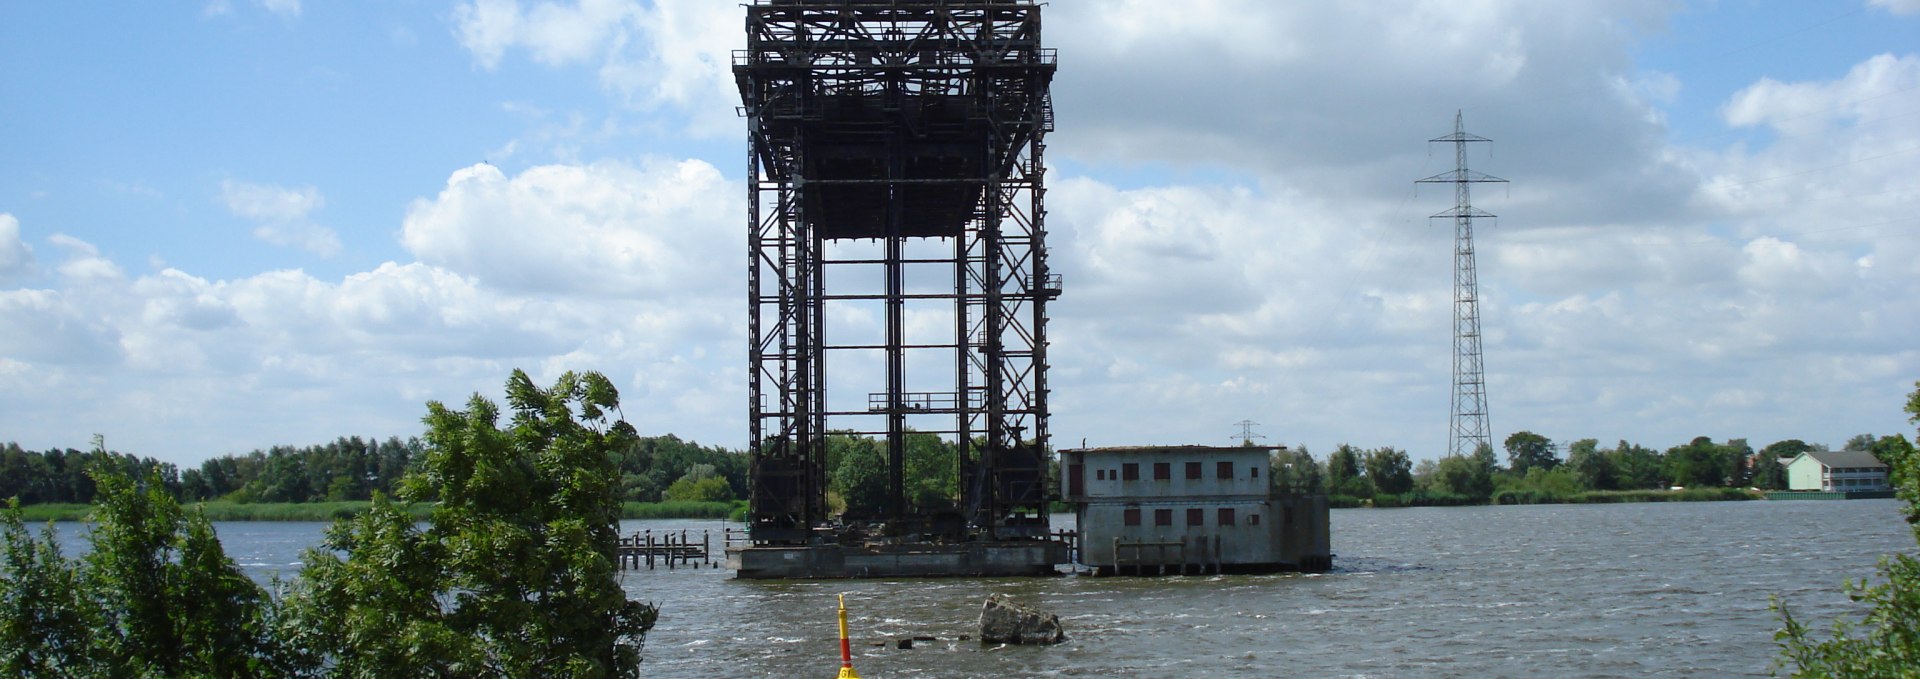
[[897, 250], [1468, 429]]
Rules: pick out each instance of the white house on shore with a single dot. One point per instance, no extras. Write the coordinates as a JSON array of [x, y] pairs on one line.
[[1836, 471]]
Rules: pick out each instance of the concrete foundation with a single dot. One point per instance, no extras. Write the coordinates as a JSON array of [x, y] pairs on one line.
[[970, 559]]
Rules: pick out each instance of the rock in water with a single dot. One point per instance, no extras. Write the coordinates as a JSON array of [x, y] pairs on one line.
[[1002, 621]]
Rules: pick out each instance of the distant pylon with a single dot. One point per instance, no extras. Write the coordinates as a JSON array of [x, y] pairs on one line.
[[1469, 429], [1246, 434]]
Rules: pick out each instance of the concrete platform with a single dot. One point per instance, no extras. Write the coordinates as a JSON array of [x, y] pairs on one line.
[[970, 559]]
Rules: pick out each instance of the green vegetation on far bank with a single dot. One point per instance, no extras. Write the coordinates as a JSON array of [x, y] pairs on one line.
[[220, 510], [1533, 497]]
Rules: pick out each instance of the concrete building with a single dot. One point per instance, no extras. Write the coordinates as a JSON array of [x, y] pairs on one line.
[[1190, 509], [1837, 471]]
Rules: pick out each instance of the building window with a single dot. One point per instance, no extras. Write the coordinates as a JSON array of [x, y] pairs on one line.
[[1193, 470], [1255, 470], [1130, 471], [1100, 474], [1162, 517], [1131, 516], [1226, 516], [1253, 519], [1196, 516], [1162, 471], [1224, 470]]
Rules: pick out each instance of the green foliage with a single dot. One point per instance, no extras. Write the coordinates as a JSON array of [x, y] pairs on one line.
[[678, 510], [1637, 466], [515, 573], [155, 596], [709, 489], [1593, 469], [932, 480], [1785, 450], [1295, 471], [1885, 642], [45, 628], [1468, 476], [1768, 472], [1344, 473], [1703, 463], [1390, 470], [1889, 448], [859, 473], [1527, 450]]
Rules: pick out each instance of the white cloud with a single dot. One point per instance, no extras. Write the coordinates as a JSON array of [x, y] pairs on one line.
[[280, 214], [287, 9], [268, 203], [674, 53], [1898, 6], [16, 257], [605, 229]]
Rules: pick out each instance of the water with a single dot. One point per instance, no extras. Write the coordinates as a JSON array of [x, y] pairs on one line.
[[1563, 590]]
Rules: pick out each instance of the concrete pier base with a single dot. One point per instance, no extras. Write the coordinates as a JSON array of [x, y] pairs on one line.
[[913, 560]]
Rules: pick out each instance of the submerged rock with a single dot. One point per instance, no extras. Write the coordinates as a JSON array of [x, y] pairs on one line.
[[1003, 621]]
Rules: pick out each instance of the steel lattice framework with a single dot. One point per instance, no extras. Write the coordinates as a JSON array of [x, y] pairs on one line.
[[914, 129], [1468, 429]]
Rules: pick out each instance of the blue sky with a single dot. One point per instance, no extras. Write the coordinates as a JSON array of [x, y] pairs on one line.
[[235, 224]]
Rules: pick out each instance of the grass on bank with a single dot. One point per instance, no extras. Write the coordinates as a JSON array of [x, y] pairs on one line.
[[222, 510], [1526, 496]]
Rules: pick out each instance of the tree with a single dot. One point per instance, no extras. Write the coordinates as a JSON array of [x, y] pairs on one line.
[[1390, 469], [932, 472], [1638, 466], [1890, 448], [155, 596], [1344, 473], [1468, 475], [1785, 450], [1735, 454], [1698, 463], [45, 627], [1485, 465], [859, 474], [1885, 642], [1592, 469], [1768, 472], [514, 574], [1295, 471], [1527, 450]]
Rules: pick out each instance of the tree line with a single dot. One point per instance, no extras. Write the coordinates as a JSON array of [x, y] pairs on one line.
[[1537, 471], [650, 469]]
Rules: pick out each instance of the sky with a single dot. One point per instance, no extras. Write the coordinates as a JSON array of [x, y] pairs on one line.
[[237, 224]]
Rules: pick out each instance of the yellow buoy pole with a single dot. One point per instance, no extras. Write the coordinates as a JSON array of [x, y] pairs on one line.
[[846, 646]]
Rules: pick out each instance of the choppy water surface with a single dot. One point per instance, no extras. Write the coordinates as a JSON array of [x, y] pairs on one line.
[[1594, 590]]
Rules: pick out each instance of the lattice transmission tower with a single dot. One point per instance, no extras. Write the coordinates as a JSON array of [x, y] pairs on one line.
[[1468, 427]]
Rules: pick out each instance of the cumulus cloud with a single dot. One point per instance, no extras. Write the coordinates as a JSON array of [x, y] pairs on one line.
[[187, 367], [16, 257], [280, 214], [1898, 6], [287, 9], [672, 53], [609, 228]]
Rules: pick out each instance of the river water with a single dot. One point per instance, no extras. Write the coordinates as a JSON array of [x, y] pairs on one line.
[[1555, 590]]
